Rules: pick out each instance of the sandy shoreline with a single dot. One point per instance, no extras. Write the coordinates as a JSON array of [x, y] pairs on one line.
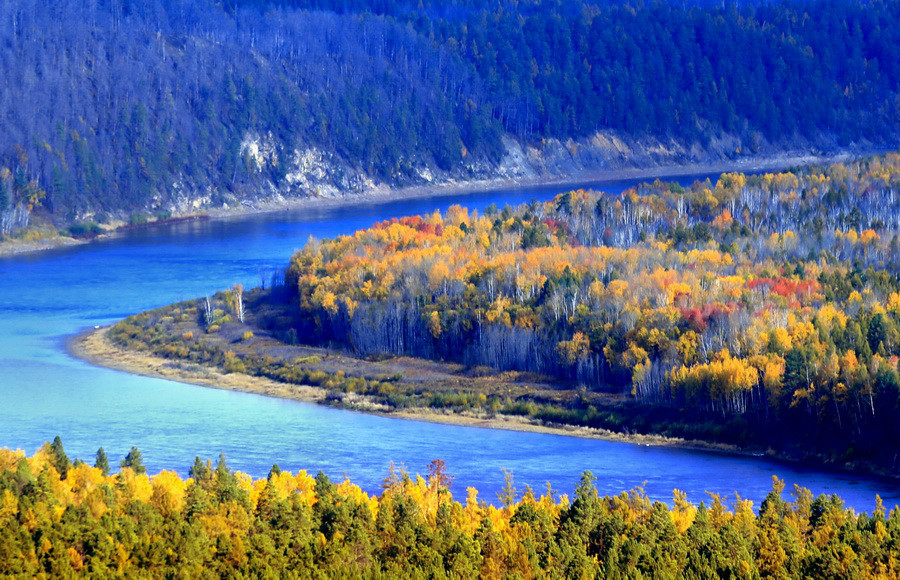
[[18, 247], [448, 188], [93, 347]]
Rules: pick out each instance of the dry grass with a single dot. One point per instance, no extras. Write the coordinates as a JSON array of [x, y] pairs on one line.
[[95, 347], [35, 242]]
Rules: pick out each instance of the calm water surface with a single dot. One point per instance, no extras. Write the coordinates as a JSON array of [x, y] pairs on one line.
[[44, 392]]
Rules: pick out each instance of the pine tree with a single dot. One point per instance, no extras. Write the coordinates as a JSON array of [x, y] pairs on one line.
[[102, 462], [135, 461], [60, 459]]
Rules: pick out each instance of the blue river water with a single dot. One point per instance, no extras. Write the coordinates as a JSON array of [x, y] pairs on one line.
[[47, 297]]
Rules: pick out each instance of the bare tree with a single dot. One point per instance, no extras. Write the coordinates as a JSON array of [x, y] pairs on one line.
[[237, 297], [208, 312]]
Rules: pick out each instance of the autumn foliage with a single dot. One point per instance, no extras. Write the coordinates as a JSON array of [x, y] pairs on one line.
[[65, 520], [771, 297]]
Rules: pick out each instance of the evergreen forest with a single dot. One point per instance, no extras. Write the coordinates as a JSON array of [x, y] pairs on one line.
[[114, 107]]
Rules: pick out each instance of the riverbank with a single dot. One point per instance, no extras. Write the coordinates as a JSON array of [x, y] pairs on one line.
[[15, 247], [451, 187], [94, 347], [56, 240], [383, 194]]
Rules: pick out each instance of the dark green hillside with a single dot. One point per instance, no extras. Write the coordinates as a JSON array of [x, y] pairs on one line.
[[118, 107]]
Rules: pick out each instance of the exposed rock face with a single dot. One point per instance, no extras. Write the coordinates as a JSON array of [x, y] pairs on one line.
[[258, 151], [310, 172], [316, 173]]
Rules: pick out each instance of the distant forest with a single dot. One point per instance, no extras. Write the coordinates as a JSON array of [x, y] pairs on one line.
[[114, 105]]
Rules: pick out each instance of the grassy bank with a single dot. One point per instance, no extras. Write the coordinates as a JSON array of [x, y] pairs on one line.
[[30, 242], [96, 347]]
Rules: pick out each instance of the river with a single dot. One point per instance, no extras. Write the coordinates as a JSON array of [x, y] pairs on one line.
[[47, 297]]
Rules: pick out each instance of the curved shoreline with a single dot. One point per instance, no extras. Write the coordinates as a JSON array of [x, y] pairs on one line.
[[384, 194], [92, 346]]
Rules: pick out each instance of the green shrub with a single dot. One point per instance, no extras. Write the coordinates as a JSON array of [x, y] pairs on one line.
[[85, 229]]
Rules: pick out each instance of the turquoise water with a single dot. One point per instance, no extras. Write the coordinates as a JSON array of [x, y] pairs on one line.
[[44, 392]]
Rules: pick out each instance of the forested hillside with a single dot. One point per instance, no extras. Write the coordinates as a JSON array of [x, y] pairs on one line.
[[65, 520], [112, 108]]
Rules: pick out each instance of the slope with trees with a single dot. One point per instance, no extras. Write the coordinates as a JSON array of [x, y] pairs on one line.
[[138, 110]]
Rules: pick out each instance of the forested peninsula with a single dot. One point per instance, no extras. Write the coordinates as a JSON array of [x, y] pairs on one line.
[[759, 312], [120, 112], [65, 519]]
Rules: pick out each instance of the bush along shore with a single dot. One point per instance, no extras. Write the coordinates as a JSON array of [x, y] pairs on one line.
[[64, 519]]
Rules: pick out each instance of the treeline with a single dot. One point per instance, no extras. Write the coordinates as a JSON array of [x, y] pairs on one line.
[[117, 107], [60, 519], [771, 301]]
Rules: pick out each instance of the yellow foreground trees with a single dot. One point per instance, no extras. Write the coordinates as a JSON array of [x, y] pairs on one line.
[[218, 523]]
